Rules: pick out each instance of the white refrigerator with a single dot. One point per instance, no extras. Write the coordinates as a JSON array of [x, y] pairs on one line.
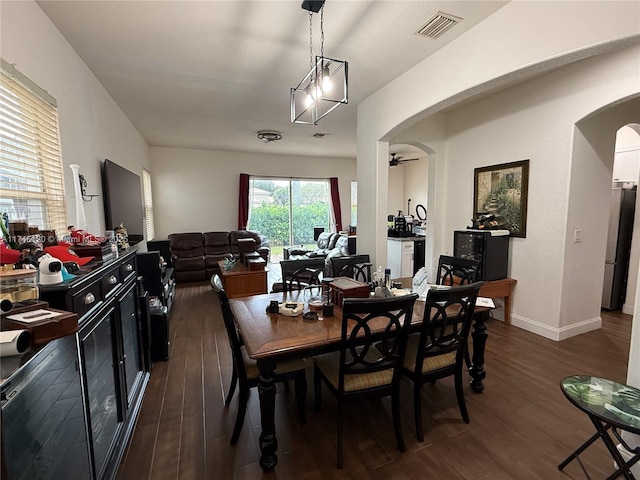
[[622, 206]]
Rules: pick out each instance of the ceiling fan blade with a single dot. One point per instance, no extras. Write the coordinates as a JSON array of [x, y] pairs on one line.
[[407, 159]]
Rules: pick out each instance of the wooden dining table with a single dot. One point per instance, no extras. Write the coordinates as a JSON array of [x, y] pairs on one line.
[[271, 338]]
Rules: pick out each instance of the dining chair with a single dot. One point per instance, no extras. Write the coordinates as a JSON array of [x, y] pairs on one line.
[[373, 340], [299, 274], [357, 267], [456, 270], [438, 349], [245, 371]]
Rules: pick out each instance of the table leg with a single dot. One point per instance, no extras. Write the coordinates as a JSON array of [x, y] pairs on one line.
[[479, 336], [267, 393], [507, 309], [623, 467], [580, 449]]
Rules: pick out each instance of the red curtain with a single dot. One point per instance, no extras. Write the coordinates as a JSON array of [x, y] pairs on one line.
[[243, 202], [335, 201]]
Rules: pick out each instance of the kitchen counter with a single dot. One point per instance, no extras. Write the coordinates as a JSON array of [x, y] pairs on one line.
[[413, 238]]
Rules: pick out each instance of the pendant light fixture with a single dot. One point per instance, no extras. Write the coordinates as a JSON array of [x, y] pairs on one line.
[[324, 87]]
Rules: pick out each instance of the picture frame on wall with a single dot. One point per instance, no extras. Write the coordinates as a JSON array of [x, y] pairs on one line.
[[500, 194]]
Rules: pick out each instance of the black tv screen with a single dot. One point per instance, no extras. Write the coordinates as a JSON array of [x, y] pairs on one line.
[[122, 200]]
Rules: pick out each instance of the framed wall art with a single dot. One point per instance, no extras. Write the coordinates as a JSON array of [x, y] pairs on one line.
[[500, 196]]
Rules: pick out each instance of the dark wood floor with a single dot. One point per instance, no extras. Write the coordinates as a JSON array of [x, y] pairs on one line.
[[521, 425]]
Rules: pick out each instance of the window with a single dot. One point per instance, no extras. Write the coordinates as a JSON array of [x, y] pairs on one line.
[[354, 204], [286, 211], [31, 179], [148, 204]]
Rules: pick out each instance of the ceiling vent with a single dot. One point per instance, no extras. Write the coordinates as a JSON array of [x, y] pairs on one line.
[[437, 25]]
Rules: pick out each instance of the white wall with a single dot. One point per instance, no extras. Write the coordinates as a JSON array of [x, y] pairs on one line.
[[478, 61], [416, 177], [92, 126], [197, 190], [397, 199], [533, 120]]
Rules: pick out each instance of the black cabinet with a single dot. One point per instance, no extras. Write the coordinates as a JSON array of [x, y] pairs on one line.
[[110, 361], [104, 402], [161, 246], [491, 248], [157, 278], [44, 433]]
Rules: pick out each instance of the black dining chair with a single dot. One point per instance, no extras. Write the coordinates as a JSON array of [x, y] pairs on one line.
[[357, 267], [299, 274], [456, 270], [373, 340], [438, 349], [245, 371]]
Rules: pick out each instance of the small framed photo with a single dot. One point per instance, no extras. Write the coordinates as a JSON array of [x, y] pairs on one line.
[[500, 194]]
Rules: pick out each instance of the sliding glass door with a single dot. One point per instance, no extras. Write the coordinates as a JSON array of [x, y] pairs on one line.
[[286, 211]]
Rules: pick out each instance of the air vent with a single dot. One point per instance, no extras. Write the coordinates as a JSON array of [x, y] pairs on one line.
[[437, 25]]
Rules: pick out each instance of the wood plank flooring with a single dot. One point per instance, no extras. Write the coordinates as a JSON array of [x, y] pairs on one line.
[[521, 425]]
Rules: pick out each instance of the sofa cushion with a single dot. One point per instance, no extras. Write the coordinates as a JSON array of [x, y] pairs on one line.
[[185, 245], [341, 249], [322, 243], [216, 243], [188, 263], [332, 241], [235, 235], [211, 261]]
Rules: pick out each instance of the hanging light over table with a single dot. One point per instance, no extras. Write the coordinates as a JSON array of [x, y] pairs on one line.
[[324, 87]]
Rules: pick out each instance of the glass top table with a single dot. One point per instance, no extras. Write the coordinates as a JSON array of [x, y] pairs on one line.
[[610, 406]]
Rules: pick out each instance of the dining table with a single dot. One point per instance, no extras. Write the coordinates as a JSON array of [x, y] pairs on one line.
[[272, 338]]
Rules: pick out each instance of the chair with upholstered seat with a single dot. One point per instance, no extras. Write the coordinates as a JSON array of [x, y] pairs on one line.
[[374, 334], [456, 270], [357, 267], [245, 371], [438, 349]]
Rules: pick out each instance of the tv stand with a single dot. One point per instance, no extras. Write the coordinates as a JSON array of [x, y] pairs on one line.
[[157, 278]]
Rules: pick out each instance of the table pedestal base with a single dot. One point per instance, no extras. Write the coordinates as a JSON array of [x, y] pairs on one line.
[[267, 393], [479, 336]]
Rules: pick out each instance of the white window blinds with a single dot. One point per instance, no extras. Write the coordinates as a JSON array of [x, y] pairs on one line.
[[148, 204], [31, 180]]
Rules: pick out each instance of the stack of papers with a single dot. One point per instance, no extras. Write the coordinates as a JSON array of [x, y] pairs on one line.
[[34, 316], [485, 302]]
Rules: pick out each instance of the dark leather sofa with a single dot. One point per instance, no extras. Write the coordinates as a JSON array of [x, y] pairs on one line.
[[195, 255]]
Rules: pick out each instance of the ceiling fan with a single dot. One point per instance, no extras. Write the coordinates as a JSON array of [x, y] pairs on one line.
[[398, 160]]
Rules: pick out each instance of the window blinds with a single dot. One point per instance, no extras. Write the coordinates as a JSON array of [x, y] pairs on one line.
[[148, 204], [31, 179]]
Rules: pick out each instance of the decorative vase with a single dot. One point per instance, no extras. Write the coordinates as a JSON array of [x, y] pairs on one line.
[[81, 218]]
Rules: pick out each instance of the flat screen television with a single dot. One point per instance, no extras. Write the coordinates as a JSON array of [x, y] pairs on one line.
[[122, 200]]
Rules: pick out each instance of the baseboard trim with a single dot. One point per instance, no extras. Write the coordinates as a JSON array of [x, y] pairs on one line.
[[627, 309], [556, 334]]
